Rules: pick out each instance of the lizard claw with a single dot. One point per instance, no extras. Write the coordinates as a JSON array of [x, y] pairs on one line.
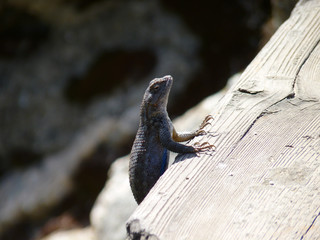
[[200, 147], [205, 123], [209, 117], [200, 132]]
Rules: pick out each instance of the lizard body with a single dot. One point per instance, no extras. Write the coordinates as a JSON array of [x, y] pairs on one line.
[[156, 135]]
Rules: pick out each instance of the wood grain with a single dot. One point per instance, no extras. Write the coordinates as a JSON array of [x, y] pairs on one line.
[[263, 181]]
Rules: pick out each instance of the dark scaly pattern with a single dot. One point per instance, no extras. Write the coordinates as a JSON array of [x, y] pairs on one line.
[[149, 155]]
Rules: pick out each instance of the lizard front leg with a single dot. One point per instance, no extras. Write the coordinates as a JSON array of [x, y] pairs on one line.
[[168, 142], [185, 136]]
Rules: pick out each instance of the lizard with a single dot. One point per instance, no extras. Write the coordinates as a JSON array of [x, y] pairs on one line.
[[156, 136]]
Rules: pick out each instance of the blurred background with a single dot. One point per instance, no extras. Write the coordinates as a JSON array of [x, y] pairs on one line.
[[72, 77]]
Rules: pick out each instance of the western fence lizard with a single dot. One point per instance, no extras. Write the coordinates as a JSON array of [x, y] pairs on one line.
[[156, 135]]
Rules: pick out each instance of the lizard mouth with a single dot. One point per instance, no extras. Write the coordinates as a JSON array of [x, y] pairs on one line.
[[168, 77], [169, 80]]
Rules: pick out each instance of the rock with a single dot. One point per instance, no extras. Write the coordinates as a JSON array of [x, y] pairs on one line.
[[114, 204], [33, 191]]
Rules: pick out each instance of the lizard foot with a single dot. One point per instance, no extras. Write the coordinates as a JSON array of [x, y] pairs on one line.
[[202, 147], [205, 123]]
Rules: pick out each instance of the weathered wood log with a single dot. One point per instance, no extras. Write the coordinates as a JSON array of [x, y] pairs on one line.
[[263, 181]]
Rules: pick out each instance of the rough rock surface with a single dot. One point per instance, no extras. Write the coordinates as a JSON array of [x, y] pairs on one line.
[[114, 204]]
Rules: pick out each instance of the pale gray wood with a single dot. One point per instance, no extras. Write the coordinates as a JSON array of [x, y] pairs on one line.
[[263, 181]]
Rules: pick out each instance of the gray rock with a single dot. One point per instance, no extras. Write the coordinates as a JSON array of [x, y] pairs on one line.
[[33, 191], [114, 204]]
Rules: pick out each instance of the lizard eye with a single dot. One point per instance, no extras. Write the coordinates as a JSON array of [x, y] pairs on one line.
[[156, 87]]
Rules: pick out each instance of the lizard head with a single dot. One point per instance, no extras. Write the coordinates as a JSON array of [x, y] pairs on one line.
[[158, 91]]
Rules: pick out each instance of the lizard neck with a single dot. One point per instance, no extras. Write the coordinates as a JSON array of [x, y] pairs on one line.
[[148, 111]]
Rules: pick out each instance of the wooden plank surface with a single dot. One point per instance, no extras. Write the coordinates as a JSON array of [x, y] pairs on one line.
[[263, 181]]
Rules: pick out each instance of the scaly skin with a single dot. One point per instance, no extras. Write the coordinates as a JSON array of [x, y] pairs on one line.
[[156, 135]]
